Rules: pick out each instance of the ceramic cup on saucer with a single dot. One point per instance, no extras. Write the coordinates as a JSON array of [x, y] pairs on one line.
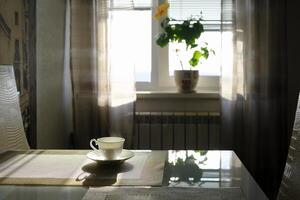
[[109, 147]]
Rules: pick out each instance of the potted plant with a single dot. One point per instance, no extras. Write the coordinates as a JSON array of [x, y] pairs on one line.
[[187, 32]]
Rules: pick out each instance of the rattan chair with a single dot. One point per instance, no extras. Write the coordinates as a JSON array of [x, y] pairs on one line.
[[12, 134], [290, 184]]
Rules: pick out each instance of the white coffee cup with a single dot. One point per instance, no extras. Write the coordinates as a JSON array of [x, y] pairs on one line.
[[109, 147]]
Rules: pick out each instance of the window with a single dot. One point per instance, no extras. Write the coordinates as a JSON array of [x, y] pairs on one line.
[[130, 40], [132, 36]]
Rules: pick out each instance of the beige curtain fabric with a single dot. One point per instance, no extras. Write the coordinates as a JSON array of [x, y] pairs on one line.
[[104, 93]]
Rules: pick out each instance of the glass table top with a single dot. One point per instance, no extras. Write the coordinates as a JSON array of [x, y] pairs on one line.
[[187, 168]]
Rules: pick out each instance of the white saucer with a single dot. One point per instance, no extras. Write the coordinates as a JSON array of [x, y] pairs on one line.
[[96, 156]]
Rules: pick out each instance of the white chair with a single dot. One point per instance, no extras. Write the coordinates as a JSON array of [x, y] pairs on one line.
[[290, 184], [12, 134]]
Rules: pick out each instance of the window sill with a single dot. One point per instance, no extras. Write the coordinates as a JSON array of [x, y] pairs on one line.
[[173, 101], [176, 95]]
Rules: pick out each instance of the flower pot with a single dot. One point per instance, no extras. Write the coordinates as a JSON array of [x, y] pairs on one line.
[[186, 80]]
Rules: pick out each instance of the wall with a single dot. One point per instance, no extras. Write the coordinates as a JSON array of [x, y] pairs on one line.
[[52, 127]]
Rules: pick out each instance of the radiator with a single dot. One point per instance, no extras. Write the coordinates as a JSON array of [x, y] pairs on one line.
[[177, 130]]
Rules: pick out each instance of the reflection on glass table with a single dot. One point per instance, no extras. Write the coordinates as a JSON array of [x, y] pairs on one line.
[[202, 169]]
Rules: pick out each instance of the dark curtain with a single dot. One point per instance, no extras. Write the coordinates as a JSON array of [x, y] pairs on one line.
[[254, 90]]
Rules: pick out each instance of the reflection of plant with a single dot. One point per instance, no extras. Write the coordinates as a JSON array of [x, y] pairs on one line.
[[201, 152], [186, 170], [187, 31]]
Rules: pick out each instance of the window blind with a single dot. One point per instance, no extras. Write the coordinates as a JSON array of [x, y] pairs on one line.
[[211, 11], [129, 4]]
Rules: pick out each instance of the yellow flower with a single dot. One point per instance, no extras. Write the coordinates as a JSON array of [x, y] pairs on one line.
[[162, 10]]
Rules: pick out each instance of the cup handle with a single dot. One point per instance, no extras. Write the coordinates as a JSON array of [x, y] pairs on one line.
[[92, 145]]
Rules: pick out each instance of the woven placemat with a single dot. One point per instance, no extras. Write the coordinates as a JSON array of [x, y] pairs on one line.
[[72, 167]]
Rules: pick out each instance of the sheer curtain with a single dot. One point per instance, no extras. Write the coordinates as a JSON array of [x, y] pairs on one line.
[[103, 92], [254, 87]]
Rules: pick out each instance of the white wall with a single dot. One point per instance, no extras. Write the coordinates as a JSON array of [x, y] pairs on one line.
[[52, 126]]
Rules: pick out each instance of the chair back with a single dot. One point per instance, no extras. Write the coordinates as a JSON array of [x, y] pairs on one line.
[[12, 134], [290, 184]]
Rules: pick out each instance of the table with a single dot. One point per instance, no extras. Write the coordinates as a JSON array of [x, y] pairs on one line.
[[197, 169]]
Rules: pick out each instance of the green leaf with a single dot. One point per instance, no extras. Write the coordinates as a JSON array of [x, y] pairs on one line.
[[205, 52], [162, 39], [197, 54], [195, 59], [193, 45], [165, 23]]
